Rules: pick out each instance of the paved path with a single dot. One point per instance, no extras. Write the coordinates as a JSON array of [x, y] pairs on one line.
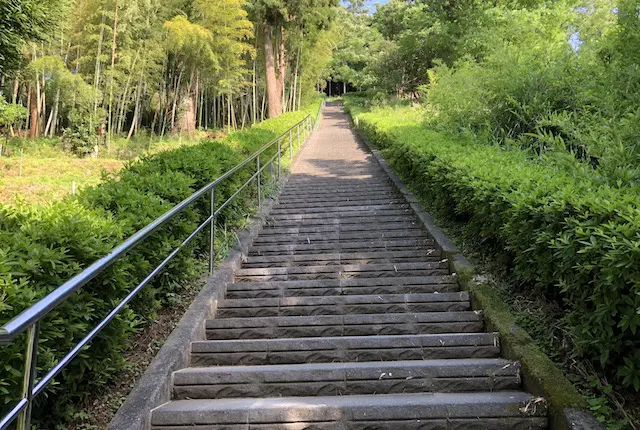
[[345, 316]]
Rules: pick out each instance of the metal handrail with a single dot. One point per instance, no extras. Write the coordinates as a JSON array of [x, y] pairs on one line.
[[29, 319]]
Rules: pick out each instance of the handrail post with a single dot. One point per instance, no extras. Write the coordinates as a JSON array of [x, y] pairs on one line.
[[298, 132], [290, 144], [279, 154], [30, 361], [258, 178], [212, 238]]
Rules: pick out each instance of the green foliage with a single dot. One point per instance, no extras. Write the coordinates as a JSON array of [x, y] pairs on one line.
[[11, 114], [537, 92], [41, 247], [22, 21], [360, 45], [574, 238]]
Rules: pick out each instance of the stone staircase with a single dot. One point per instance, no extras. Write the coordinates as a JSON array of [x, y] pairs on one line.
[[345, 316]]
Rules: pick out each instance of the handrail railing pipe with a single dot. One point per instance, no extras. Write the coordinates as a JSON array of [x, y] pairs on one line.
[[290, 144], [29, 319], [279, 155], [212, 232]]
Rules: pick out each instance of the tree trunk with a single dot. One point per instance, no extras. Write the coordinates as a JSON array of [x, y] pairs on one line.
[[175, 102], [294, 97], [136, 110], [16, 86], [96, 79], [27, 122], [255, 77], [49, 129], [264, 101], [282, 65], [33, 107], [273, 90], [113, 66]]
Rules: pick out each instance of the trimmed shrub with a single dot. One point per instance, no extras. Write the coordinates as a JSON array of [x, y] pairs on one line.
[[570, 236], [41, 247]]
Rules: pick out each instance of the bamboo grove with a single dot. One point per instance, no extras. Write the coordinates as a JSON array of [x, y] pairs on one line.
[[88, 70]]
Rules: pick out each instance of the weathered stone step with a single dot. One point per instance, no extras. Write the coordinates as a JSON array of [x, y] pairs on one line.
[[501, 410], [347, 236], [339, 216], [337, 287], [342, 271], [320, 204], [334, 197], [339, 379], [345, 268], [321, 187], [344, 305], [338, 246], [303, 221], [344, 325], [374, 257], [276, 211], [344, 349], [339, 228]]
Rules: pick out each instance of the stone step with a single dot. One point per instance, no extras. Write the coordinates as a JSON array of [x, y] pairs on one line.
[[300, 221], [344, 305], [339, 379], [315, 188], [338, 228], [343, 268], [344, 325], [346, 246], [338, 287], [338, 210], [346, 236], [500, 410], [321, 204], [344, 349], [331, 192], [334, 197], [375, 257], [339, 216], [342, 271]]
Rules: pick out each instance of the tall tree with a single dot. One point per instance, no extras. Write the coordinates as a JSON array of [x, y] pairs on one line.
[[278, 17]]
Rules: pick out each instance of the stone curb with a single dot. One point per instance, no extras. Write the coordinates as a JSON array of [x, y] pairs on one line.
[[540, 375], [154, 387]]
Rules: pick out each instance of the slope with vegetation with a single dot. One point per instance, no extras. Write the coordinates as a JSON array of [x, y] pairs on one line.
[[518, 120], [44, 246]]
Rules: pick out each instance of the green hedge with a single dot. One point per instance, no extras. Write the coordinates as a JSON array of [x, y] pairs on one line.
[[574, 239], [41, 247]]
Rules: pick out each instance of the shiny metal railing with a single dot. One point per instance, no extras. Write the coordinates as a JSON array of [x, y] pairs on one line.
[[29, 320]]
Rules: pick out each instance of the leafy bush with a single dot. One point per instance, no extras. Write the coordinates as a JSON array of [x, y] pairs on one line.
[[11, 114], [41, 247], [574, 238], [532, 89]]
